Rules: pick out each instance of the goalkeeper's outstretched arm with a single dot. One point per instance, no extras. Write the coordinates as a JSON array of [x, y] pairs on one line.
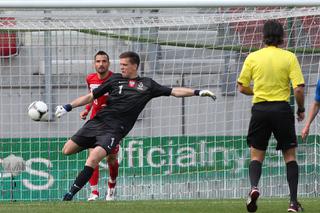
[[187, 92], [80, 101]]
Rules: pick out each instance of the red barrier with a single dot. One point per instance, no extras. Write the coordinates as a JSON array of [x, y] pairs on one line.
[[8, 40]]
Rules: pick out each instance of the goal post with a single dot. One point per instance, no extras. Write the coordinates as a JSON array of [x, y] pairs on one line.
[[154, 4], [186, 148]]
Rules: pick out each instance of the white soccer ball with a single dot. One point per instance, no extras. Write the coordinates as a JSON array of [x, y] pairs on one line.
[[38, 110]]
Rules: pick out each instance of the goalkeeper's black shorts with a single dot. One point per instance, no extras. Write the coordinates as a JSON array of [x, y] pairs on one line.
[[272, 117], [108, 142], [94, 134]]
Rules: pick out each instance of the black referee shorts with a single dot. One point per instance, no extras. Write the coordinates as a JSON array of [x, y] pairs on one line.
[[272, 117]]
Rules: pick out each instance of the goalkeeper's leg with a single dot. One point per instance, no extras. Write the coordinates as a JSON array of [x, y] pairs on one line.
[[97, 154], [77, 143], [94, 191], [71, 147]]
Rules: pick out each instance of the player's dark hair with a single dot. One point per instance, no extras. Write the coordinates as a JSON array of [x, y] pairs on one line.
[[273, 33], [100, 52], [133, 57]]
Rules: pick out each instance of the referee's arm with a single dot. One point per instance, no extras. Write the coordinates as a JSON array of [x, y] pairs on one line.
[[244, 90], [299, 96]]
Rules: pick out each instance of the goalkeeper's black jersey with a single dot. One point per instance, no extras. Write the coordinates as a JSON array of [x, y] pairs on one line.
[[127, 98]]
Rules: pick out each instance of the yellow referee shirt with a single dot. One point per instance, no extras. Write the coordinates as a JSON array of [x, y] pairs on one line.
[[271, 70]]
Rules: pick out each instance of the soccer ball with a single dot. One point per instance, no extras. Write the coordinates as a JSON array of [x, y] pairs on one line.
[[38, 110]]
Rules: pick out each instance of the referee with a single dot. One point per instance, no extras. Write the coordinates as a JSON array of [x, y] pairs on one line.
[[128, 95], [271, 69]]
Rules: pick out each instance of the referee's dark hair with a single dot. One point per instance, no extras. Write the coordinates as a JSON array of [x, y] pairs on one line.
[[273, 33], [133, 57], [100, 52]]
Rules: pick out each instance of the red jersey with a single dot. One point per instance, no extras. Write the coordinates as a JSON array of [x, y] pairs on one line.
[[93, 82]]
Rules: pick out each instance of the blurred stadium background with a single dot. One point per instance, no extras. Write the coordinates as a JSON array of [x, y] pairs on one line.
[[179, 148]]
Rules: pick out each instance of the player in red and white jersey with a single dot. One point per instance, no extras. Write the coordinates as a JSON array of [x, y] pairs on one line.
[[94, 80]]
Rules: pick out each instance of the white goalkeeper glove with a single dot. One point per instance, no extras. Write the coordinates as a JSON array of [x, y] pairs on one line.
[[206, 93], [61, 110]]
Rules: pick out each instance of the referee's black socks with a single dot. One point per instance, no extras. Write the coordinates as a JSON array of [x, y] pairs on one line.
[[81, 180], [255, 168], [292, 178]]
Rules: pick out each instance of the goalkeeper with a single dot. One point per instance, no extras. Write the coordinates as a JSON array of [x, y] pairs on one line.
[[128, 95], [271, 69]]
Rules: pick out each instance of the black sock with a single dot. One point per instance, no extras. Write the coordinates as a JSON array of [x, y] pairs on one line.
[[255, 168], [292, 178], [82, 179]]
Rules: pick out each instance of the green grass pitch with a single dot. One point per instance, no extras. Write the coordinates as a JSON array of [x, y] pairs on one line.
[[311, 205]]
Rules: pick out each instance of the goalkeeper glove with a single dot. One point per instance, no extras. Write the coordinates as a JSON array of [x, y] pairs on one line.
[[204, 93], [61, 110]]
